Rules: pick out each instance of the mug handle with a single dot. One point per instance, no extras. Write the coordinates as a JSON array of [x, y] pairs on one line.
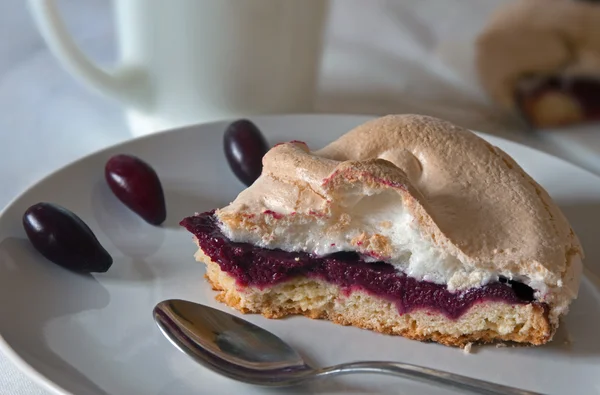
[[128, 84]]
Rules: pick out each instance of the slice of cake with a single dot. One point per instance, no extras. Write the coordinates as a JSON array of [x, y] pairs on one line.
[[406, 225], [542, 58]]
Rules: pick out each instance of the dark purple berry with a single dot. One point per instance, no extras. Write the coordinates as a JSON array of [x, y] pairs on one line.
[[63, 238], [136, 184], [244, 147]]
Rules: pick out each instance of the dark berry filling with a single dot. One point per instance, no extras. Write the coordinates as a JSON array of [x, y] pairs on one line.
[[584, 90], [260, 267]]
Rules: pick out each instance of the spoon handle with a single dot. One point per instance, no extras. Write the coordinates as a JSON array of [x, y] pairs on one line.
[[431, 376]]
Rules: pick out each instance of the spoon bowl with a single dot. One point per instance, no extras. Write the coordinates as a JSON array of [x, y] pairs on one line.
[[245, 352], [229, 345]]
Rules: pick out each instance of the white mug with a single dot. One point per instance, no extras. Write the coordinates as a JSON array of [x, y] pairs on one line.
[[190, 61]]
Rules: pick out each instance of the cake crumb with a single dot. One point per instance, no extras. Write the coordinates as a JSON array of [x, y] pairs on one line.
[[386, 224], [467, 349], [501, 345], [297, 259]]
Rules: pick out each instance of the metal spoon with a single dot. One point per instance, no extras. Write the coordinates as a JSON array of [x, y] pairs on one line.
[[245, 352]]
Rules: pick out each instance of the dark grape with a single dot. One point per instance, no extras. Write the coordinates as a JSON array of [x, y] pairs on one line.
[[244, 147], [136, 184], [63, 238]]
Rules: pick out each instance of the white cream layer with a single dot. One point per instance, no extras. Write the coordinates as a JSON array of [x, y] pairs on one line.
[[384, 214]]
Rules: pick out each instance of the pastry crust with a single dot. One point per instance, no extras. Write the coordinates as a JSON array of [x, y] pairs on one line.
[[486, 322], [552, 109]]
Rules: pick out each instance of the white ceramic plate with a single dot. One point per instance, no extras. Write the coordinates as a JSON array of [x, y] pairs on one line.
[[95, 335]]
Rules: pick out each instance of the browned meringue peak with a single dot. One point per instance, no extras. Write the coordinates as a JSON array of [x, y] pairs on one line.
[[529, 37], [468, 198]]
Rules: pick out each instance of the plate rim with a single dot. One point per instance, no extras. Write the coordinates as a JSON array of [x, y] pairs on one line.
[[46, 383]]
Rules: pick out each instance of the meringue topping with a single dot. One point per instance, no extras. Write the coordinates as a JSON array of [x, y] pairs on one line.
[[432, 198]]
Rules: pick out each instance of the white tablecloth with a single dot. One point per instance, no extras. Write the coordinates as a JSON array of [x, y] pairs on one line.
[[403, 56]]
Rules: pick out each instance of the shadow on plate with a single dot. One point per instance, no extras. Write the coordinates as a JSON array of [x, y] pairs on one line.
[[45, 298], [182, 203], [127, 231], [132, 235], [135, 239], [326, 386], [126, 269], [578, 333]]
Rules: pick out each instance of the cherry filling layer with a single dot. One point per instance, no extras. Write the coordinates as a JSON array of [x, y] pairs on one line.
[[260, 267]]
